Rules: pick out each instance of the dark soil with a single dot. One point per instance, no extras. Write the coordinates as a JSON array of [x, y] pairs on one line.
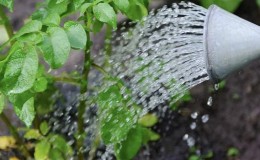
[[234, 117]]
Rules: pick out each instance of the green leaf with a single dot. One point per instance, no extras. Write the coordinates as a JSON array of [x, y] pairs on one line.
[[42, 150], [27, 112], [40, 84], [33, 38], [59, 1], [149, 135], [60, 144], [97, 26], [148, 120], [55, 47], [8, 3], [2, 102], [20, 70], [55, 154], [105, 13], [57, 8], [194, 157], [122, 5], [76, 34], [51, 19], [229, 5], [232, 152], [127, 149], [137, 10], [116, 118], [84, 7], [32, 134], [44, 128], [258, 3], [78, 3], [31, 26]]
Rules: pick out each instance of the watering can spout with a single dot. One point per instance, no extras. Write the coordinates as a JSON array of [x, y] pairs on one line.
[[230, 42]]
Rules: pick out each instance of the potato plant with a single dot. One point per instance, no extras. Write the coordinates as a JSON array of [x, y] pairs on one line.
[[26, 84]]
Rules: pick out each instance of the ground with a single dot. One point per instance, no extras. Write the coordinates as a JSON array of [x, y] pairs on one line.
[[234, 117]]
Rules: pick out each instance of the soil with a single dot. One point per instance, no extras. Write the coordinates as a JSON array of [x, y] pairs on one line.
[[234, 117]]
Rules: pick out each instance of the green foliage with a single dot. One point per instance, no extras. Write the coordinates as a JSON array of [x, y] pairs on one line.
[[32, 134], [28, 85], [115, 117], [55, 47], [232, 152], [229, 5], [44, 128], [42, 150], [8, 3], [258, 3], [2, 102], [148, 120], [105, 13], [76, 34]]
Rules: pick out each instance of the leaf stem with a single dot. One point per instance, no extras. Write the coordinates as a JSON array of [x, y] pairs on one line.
[[82, 106], [67, 80], [7, 24], [108, 46], [15, 134]]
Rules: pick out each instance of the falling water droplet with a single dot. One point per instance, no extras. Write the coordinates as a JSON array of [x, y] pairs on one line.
[[194, 115], [193, 125], [205, 118], [210, 101], [216, 86]]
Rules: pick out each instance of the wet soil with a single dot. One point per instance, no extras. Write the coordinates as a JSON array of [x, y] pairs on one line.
[[234, 117]]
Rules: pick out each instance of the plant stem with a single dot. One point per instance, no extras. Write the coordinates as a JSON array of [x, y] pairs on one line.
[[15, 134], [108, 47], [67, 80], [82, 106], [7, 24]]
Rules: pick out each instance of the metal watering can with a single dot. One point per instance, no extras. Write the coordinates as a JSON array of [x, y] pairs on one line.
[[230, 42]]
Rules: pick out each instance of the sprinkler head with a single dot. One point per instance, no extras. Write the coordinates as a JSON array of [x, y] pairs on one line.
[[230, 42]]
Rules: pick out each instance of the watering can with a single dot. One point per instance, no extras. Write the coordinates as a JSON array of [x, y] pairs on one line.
[[230, 42]]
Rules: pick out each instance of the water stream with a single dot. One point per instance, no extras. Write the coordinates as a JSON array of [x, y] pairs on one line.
[[163, 56]]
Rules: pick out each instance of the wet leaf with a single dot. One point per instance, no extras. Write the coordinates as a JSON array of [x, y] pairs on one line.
[[42, 150], [105, 13], [33, 38], [78, 3], [55, 47], [27, 112], [76, 34], [84, 7], [123, 5], [51, 19], [137, 10], [31, 26], [32, 134], [20, 70], [60, 144], [44, 128], [56, 154], [148, 120], [58, 8], [128, 148], [116, 118], [149, 135], [40, 84]]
